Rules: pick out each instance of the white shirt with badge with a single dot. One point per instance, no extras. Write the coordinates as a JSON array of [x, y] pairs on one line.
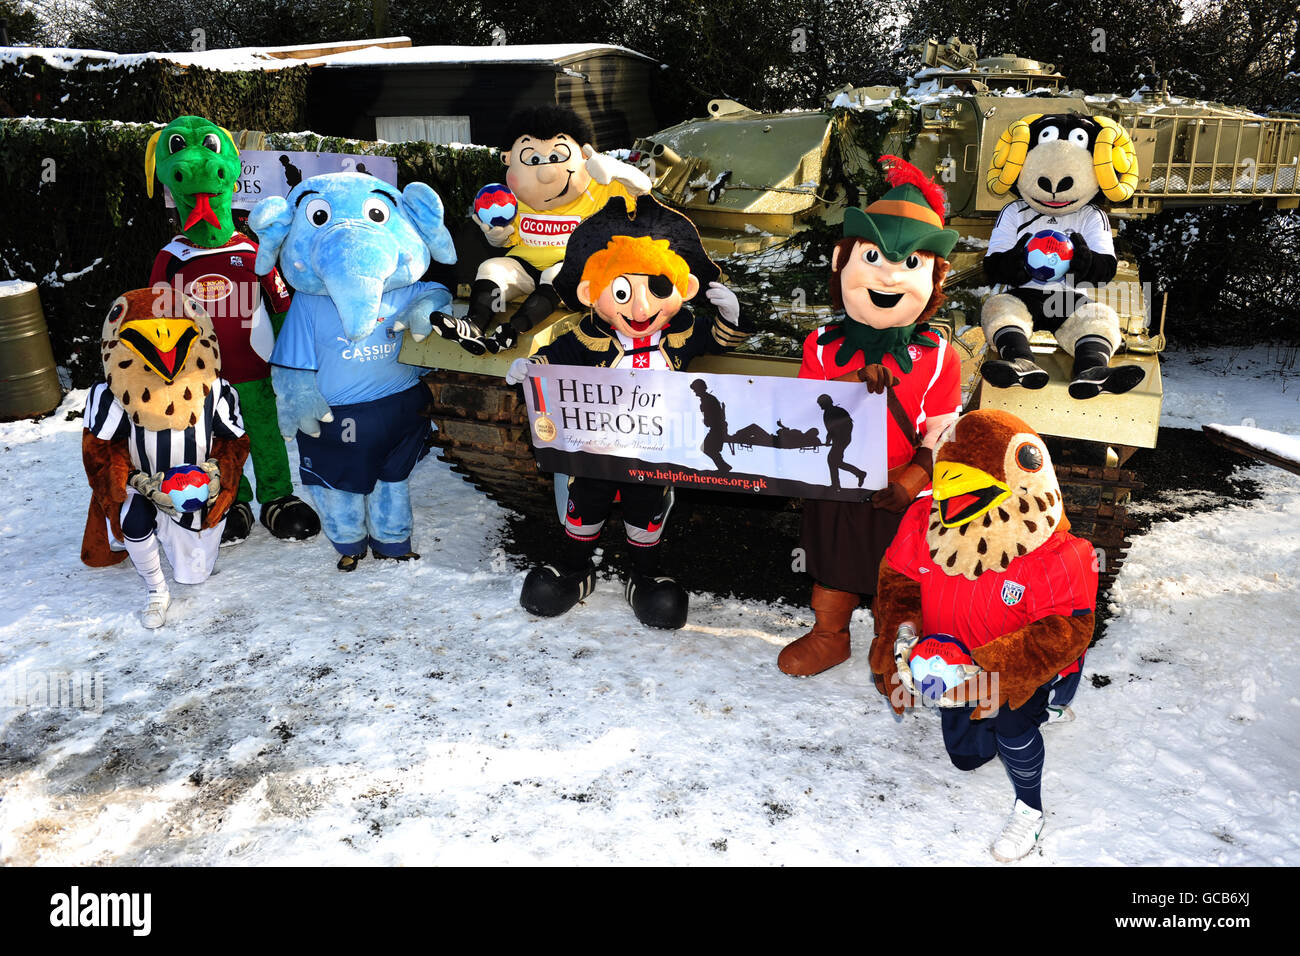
[[1019, 219]]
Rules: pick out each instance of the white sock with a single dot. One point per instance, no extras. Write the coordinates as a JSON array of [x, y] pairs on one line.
[[148, 563]]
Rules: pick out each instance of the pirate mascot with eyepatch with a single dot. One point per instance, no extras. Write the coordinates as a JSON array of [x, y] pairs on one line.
[[163, 444], [632, 268], [555, 180], [1002, 598], [1052, 246], [198, 163], [887, 275]]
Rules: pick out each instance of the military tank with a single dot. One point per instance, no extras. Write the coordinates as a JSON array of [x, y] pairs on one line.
[[768, 191]]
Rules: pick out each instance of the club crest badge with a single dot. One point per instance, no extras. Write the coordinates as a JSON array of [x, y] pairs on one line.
[[1012, 593], [914, 352]]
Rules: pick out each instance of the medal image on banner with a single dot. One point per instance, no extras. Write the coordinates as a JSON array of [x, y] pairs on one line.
[[754, 434]]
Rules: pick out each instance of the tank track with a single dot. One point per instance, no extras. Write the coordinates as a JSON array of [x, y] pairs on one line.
[[483, 434]]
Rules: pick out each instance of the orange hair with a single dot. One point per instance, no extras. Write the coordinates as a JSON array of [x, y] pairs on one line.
[[640, 255]]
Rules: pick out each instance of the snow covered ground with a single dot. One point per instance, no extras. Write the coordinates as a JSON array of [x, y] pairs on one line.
[[415, 714]]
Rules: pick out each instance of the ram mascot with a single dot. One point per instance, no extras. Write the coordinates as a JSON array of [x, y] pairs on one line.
[[1051, 248], [197, 162], [354, 249]]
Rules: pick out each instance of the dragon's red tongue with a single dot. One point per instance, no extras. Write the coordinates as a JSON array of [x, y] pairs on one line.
[[202, 212]]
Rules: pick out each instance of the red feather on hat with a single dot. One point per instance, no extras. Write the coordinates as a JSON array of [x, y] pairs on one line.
[[899, 172]]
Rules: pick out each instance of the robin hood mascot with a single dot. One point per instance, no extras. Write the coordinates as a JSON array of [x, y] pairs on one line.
[[163, 444], [555, 180], [197, 162], [887, 276], [632, 267], [1002, 597], [1051, 248]]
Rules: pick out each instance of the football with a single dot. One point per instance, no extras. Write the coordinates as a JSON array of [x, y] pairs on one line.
[[938, 664], [495, 205], [187, 486], [1048, 255]]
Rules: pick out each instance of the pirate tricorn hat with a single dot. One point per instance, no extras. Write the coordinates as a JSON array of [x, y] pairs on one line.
[[648, 218], [907, 219]]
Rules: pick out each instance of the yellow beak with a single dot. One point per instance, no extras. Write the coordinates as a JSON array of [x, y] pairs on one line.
[[965, 492], [163, 343]]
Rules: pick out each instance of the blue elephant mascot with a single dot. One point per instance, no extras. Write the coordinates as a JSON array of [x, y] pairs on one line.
[[355, 248]]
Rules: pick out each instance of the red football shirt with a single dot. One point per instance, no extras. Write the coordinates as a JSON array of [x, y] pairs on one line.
[[1059, 577], [236, 298], [931, 389]]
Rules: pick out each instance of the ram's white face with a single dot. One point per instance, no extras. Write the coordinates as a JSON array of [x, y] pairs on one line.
[[1057, 177]]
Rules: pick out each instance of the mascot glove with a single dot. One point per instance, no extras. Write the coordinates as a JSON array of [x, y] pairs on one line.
[[151, 487], [1018, 260], [605, 169], [496, 235], [906, 482], [214, 477], [300, 404], [1081, 260], [725, 301], [877, 378], [518, 371]]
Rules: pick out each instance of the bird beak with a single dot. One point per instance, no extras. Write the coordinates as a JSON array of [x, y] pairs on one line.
[[964, 492], [164, 344]]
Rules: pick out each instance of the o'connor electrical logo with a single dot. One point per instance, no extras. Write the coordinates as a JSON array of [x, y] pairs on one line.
[[77, 909]]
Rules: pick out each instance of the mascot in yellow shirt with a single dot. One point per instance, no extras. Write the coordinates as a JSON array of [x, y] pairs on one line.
[[554, 180]]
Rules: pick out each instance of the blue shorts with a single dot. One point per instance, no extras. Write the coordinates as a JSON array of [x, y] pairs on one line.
[[971, 743], [367, 442]]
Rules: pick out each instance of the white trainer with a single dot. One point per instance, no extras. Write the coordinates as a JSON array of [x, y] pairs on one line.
[[154, 614], [1057, 714], [1020, 835]]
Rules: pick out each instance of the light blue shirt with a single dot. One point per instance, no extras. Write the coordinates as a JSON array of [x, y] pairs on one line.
[[347, 372]]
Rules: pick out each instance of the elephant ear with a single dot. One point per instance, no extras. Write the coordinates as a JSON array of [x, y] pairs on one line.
[[270, 219], [423, 207]]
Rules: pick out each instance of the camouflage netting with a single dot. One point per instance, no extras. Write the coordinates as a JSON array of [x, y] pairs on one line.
[[155, 91], [80, 225]]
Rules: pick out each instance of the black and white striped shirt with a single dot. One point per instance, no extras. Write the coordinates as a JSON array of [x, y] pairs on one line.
[[152, 451]]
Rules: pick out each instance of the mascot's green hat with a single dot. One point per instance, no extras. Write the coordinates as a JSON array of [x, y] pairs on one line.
[[907, 219]]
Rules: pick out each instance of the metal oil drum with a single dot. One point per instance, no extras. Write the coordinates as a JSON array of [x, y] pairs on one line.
[[29, 383]]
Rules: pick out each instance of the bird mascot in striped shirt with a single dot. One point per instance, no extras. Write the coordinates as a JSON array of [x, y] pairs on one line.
[[984, 606], [163, 445]]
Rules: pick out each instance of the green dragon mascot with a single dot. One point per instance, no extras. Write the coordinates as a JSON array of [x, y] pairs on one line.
[[198, 162]]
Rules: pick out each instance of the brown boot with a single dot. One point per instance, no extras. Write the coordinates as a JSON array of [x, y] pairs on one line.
[[827, 644]]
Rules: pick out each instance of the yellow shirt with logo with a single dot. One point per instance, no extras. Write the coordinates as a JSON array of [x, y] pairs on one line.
[[541, 237]]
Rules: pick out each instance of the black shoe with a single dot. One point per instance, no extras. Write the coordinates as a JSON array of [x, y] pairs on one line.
[[290, 519], [409, 556], [657, 602], [239, 522], [349, 562], [503, 339], [548, 593], [461, 331], [1004, 373], [1091, 382]]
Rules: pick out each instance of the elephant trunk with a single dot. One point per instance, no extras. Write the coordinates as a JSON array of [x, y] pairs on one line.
[[354, 261]]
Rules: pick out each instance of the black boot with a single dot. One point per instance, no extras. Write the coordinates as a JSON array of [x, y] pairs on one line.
[[1093, 375], [552, 589], [657, 601], [1015, 363], [534, 310], [239, 522], [549, 592], [290, 518]]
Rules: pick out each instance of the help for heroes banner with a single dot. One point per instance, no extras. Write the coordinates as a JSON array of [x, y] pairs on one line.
[[778, 436]]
